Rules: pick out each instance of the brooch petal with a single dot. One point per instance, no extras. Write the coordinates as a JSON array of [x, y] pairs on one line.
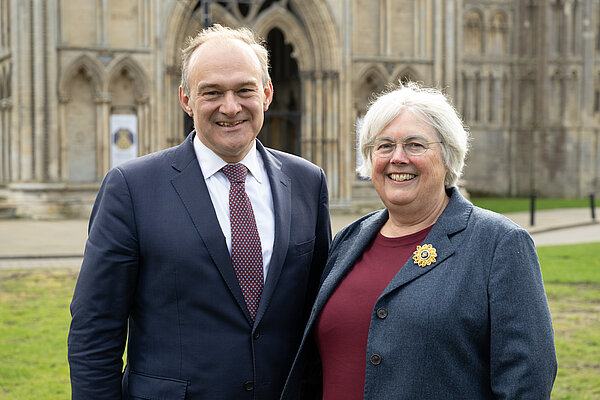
[[425, 255]]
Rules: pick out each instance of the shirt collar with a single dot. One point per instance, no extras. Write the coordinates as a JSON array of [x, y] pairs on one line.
[[211, 163]]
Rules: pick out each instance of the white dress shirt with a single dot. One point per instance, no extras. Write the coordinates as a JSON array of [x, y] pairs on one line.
[[258, 189]]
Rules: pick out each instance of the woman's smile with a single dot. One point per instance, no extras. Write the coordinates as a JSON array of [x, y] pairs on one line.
[[401, 177]]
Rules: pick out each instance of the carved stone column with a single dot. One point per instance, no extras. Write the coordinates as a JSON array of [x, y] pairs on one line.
[[63, 99], [144, 134], [102, 135], [306, 146], [5, 134]]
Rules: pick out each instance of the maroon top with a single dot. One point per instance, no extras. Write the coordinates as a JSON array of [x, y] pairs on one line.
[[343, 326]]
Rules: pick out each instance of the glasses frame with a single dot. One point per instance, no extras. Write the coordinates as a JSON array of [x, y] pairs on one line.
[[403, 143]]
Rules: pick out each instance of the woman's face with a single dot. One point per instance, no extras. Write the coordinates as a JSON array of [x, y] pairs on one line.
[[415, 183]]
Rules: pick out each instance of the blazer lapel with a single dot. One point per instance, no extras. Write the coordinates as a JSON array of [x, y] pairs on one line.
[[350, 250], [454, 219], [282, 205], [189, 185], [411, 271]]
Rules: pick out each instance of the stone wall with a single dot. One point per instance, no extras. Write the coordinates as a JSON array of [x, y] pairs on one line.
[[525, 75]]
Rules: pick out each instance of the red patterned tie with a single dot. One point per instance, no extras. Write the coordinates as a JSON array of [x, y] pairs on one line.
[[246, 253]]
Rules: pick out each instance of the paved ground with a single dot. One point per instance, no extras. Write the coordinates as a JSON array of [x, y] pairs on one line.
[[35, 243], [551, 227]]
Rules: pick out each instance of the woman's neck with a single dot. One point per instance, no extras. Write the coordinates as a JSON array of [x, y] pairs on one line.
[[402, 221]]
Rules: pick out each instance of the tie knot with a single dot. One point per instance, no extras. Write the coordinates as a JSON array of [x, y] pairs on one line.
[[235, 172]]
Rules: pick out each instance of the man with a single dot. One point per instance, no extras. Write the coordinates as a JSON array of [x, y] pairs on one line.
[[209, 309]]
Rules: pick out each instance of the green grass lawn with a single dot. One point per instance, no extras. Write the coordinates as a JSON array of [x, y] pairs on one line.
[[572, 279], [504, 205], [34, 322]]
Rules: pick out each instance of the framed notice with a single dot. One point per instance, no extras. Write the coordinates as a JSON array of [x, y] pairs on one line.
[[123, 138]]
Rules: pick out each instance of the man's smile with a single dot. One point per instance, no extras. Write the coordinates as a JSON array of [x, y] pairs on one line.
[[229, 124]]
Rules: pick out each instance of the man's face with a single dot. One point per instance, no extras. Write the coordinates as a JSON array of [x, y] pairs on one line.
[[227, 98]]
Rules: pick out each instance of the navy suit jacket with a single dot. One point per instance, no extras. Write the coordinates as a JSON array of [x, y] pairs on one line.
[[475, 324], [157, 273]]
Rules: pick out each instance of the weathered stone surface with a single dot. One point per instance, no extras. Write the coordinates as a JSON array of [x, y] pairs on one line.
[[524, 76]]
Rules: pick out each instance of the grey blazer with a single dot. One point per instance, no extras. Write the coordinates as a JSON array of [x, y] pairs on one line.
[[475, 324]]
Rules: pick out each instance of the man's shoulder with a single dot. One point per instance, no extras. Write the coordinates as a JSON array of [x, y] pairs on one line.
[[291, 160], [158, 158]]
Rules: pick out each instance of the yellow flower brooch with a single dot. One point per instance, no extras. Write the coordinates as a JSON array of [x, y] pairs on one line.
[[425, 255]]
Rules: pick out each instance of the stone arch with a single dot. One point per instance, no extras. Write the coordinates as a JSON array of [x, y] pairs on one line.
[[181, 16], [134, 71], [277, 17], [314, 49], [87, 65], [127, 88], [370, 81], [403, 73], [309, 27], [473, 32], [224, 17], [497, 42], [318, 18], [80, 121], [281, 128]]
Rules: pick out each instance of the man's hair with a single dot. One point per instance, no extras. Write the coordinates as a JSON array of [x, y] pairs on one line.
[[220, 32]]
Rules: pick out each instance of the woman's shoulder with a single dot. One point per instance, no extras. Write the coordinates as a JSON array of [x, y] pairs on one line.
[[492, 216], [489, 222]]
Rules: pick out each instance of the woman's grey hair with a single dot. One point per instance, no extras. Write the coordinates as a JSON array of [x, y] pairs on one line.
[[220, 32], [434, 108]]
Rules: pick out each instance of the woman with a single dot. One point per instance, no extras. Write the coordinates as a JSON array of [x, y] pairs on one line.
[[432, 297]]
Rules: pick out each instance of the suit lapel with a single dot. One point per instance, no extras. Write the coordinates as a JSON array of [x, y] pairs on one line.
[[191, 188], [282, 206]]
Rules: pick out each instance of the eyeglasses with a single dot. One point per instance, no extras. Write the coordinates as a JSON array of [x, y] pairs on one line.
[[412, 145]]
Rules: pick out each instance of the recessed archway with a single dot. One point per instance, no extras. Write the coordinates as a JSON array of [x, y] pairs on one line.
[[281, 129]]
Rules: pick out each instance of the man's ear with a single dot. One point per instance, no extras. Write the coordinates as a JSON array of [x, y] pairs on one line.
[[268, 96], [184, 100]]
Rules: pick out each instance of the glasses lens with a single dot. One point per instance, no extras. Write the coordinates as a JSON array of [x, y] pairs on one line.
[[383, 147], [415, 145]]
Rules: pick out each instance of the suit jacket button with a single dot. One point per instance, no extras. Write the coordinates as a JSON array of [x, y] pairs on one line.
[[382, 313], [375, 359], [256, 335], [249, 386]]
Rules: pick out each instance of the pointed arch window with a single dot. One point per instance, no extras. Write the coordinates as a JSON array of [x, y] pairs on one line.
[[498, 34], [473, 33]]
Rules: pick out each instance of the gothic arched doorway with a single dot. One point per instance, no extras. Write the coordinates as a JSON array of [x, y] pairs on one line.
[[281, 129]]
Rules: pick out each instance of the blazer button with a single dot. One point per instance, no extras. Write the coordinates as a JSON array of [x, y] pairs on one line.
[[249, 386], [375, 359], [256, 335], [382, 313]]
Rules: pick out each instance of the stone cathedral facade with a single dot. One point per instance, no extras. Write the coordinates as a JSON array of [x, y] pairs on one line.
[[87, 83]]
